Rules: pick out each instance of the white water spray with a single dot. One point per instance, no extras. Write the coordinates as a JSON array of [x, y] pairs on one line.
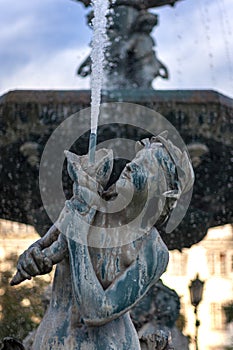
[[99, 42]]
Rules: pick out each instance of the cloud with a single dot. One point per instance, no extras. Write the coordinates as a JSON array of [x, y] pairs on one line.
[[53, 72], [40, 42]]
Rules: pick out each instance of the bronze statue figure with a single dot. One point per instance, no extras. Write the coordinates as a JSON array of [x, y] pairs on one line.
[[95, 286]]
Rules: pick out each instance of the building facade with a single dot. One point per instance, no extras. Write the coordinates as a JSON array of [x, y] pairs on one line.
[[212, 259]]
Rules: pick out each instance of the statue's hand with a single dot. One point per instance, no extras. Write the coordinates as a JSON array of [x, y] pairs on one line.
[[31, 263]]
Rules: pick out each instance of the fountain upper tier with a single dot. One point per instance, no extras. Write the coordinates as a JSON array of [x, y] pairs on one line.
[[140, 4], [130, 58]]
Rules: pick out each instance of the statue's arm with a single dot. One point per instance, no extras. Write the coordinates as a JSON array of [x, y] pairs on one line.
[[40, 257], [163, 71], [99, 306], [50, 237], [85, 68]]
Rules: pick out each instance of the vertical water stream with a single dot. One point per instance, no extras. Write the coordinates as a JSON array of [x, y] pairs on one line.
[[99, 41]]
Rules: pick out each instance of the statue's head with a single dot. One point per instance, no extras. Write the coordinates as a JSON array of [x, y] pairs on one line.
[[122, 19], [160, 172], [146, 21], [148, 188]]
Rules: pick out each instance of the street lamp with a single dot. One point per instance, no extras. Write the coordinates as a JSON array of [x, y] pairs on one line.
[[196, 290]]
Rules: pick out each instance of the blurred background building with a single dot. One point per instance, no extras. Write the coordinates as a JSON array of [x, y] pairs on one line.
[[212, 259]]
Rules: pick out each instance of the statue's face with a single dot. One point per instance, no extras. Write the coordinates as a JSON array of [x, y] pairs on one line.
[[144, 179], [147, 27], [134, 173]]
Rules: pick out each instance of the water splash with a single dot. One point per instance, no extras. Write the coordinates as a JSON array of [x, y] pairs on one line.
[[99, 42]]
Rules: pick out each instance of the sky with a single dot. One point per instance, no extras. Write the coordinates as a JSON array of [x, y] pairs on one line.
[[42, 43]]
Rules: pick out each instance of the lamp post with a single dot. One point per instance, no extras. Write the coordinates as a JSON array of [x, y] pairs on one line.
[[196, 291]]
